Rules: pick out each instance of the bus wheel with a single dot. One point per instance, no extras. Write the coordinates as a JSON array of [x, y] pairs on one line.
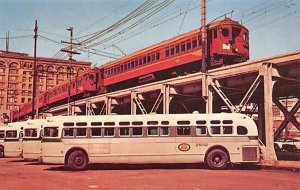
[[1, 152], [217, 159], [77, 160]]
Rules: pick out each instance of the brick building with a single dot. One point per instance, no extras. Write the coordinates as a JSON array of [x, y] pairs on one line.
[[16, 77]]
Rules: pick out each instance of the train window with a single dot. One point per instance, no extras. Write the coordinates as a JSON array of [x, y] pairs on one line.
[[245, 37], [153, 57], [157, 56], [132, 64], [182, 46], [148, 58], [199, 41], [144, 60], [194, 43], [167, 52], [225, 32], [122, 68], [164, 131], [128, 65], [125, 66], [188, 45], [136, 62], [118, 69], [140, 61], [137, 131], [109, 132], [124, 131], [183, 130], [152, 131], [215, 33], [96, 132], [115, 70], [177, 49], [172, 50]]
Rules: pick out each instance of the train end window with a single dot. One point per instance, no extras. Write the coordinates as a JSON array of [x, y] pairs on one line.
[[96, 132], [183, 130], [241, 130], [152, 131], [215, 33], [245, 36], [124, 132], [225, 32], [137, 131], [81, 132], [201, 130], [164, 131]]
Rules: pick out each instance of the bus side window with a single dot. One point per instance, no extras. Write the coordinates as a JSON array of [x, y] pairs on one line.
[[227, 129], [68, 132], [81, 132], [51, 132], [96, 132], [215, 130], [201, 130], [137, 131], [183, 130], [152, 131], [109, 132], [164, 131], [124, 131], [241, 130]]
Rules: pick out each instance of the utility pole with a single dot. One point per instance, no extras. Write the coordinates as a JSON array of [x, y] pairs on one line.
[[34, 70], [204, 52], [70, 52], [7, 41]]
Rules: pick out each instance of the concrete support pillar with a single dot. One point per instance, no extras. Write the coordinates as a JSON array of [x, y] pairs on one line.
[[261, 123], [268, 109], [166, 99], [209, 104], [108, 102], [133, 104]]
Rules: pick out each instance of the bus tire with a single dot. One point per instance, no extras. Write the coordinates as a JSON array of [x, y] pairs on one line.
[[77, 160], [1, 152], [217, 159]]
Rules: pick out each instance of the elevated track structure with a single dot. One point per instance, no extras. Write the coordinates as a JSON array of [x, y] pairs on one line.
[[250, 87]]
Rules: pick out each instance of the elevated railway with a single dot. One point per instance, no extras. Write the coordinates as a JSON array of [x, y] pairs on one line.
[[250, 87]]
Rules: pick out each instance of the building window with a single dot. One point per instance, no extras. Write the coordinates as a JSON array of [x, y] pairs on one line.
[[12, 78]]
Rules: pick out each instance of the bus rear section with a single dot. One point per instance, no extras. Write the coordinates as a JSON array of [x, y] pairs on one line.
[[13, 139], [216, 139], [32, 139]]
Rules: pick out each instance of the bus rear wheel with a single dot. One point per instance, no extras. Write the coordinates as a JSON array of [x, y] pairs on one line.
[[217, 159], [1, 152], [77, 160]]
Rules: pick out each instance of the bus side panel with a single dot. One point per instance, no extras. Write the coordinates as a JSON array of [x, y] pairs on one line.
[[32, 149], [13, 149], [53, 152]]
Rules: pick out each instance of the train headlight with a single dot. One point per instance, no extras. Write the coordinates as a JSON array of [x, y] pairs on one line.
[[235, 50], [226, 46]]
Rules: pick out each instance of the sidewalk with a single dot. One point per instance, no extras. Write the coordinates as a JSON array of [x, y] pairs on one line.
[[281, 165]]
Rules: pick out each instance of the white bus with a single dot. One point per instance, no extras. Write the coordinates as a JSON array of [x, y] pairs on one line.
[[217, 139], [2, 136], [13, 140], [32, 147]]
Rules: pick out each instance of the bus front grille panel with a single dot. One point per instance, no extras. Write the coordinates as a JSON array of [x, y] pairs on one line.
[[249, 153]]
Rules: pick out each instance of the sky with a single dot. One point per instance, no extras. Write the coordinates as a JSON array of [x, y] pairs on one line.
[[273, 25]]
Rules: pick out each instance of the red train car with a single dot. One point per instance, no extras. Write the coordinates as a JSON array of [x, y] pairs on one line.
[[228, 43]]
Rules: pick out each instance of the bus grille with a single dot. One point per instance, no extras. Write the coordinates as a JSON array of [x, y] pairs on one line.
[[249, 153]]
